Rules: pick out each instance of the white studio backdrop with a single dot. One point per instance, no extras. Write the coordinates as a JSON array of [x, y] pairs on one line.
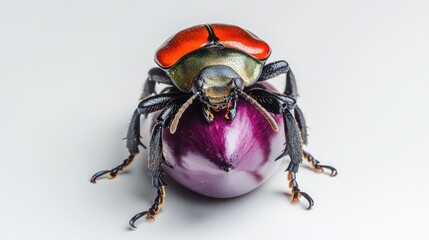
[[71, 73]]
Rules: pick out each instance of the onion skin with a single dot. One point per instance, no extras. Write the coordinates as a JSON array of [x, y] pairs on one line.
[[225, 158]]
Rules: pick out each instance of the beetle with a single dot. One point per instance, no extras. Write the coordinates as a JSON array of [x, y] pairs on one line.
[[224, 67]]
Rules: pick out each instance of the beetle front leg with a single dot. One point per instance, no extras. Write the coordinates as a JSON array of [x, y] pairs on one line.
[[133, 142], [153, 210], [147, 105], [156, 159], [295, 152], [274, 69], [293, 185], [281, 104], [299, 117], [155, 75], [276, 103]]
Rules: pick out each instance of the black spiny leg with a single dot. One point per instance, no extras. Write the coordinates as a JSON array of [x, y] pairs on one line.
[[133, 142], [278, 103], [294, 149], [274, 69], [300, 120], [155, 75], [291, 90], [156, 159], [147, 105]]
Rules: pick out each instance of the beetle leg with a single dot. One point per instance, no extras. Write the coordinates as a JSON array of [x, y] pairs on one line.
[[296, 193], [295, 152], [277, 103], [282, 104], [133, 141], [156, 159], [274, 69], [317, 166], [153, 210], [156, 75], [300, 120], [291, 90], [147, 105]]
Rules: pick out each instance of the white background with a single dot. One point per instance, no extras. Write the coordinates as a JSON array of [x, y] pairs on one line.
[[71, 73]]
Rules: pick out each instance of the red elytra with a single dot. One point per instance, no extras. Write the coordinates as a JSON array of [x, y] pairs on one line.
[[197, 37]]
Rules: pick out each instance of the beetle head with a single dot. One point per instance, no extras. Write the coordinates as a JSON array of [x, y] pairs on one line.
[[217, 85]]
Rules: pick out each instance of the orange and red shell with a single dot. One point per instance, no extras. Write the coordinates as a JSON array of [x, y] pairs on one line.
[[200, 36]]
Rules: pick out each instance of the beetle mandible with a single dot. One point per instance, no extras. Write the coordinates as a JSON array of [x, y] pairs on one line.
[[223, 66]]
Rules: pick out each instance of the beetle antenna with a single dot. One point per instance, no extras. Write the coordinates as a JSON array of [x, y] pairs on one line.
[[261, 109], [175, 122]]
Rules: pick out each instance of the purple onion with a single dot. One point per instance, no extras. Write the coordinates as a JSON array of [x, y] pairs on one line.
[[225, 158]]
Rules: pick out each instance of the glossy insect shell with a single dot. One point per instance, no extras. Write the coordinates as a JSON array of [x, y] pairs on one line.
[[225, 158], [185, 54]]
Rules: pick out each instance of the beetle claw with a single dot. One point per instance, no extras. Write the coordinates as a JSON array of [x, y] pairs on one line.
[[334, 171], [112, 173], [319, 167], [98, 174], [298, 194], [135, 218], [308, 198]]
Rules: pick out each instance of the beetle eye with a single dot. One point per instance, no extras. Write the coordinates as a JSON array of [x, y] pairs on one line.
[[239, 83], [197, 85]]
